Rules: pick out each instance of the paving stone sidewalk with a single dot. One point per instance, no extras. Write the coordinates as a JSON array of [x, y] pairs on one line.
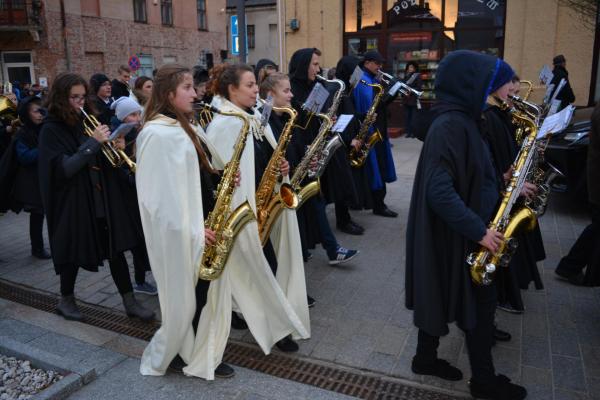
[[360, 319]]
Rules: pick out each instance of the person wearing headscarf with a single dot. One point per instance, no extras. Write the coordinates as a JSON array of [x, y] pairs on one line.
[[454, 196]]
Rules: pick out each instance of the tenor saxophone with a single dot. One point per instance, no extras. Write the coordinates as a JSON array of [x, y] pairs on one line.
[[507, 220], [270, 204], [359, 157], [221, 220]]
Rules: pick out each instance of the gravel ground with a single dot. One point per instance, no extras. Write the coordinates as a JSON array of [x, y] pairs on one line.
[[19, 380]]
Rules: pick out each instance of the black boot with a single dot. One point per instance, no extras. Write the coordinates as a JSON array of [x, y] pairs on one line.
[[501, 389], [440, 368], [68, 309], [135, 309], [224, 371], [287, 345], [177, 365], [42, 254]]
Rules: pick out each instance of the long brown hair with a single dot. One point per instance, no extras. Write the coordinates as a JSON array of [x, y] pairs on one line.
[[138, 89], [58, 99], [167, 78]]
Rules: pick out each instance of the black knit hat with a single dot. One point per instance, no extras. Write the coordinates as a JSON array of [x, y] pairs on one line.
[[559, 59], [97, 80]]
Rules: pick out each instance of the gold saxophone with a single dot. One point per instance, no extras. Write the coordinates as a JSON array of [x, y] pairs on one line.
[[359, 157], [270, 204], [483, 263], [221, 220]]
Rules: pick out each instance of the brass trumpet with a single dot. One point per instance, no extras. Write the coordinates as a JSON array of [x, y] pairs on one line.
[[116, 157]]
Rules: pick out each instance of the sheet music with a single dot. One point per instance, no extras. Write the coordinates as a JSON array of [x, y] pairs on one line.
[[316, 99], [546, 75], [557, 122], [356, 76], [122, 130], [342, 122]]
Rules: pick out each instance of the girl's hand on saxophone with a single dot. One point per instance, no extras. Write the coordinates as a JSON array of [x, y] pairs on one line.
[[529, 190], [492, 240], [209, 237], [238, 178], [284, 167], [356, 144], [101, 133], [314, 163], [119, 143]]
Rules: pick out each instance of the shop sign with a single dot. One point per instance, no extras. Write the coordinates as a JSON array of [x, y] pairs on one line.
[[406, 4], [410, 37]]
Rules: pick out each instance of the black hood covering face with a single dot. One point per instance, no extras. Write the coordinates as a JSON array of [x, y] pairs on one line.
[[23, 110], [464, 79], [345, 68], [262, 63]]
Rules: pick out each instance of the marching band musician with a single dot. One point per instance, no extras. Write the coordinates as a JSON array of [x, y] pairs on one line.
[[380, 163], [175, 182], [270, 316], [304, 67], [83, 198], [454, 195]]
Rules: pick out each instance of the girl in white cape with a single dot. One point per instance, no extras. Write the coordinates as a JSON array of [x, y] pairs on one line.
[[273, 308], [175, 183]]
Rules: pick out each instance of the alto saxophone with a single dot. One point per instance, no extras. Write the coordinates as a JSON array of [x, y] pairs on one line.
[[221, 220], [270, 204], [483, 263], [359, 157]]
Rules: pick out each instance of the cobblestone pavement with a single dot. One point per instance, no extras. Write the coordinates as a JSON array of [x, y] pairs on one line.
[[360, 319]]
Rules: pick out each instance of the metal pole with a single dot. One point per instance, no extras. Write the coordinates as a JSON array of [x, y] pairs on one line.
[[281, 34], [241, 13]]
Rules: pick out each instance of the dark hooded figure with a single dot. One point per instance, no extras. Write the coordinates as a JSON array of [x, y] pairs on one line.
[[84, 199], [304, 66], [454, 195], [25, 192], [566, 95], [499, 132]]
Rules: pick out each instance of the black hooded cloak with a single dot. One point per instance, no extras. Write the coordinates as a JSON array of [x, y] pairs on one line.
[[438, 284]]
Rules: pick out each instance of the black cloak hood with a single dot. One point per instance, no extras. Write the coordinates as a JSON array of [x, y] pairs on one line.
[[345, 68]]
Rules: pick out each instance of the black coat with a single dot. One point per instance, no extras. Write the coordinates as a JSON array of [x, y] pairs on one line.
[[438, 284], [593, 159], [566, 95], [71, 203], [103, 112], [119, 89]]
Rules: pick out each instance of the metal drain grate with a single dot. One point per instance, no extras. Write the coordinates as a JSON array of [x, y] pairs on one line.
[[332, 378]]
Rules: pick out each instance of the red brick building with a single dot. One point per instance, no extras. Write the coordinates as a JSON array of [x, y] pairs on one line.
[[39, 39]]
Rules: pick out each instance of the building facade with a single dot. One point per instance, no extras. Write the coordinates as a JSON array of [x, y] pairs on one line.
[[527, 33], [43, 38]]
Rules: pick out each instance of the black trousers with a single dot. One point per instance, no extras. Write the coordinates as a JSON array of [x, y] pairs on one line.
[[141, 263], [269, 253], [342, 214], [479, 339], [36, 226], [201, 296], [585, 253], [118, 269], [378, 198]]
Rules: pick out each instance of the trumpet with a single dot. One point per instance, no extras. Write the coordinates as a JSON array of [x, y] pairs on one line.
[[404, 89], [116, 157]]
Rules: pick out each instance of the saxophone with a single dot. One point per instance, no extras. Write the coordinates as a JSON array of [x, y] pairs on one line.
[[359, 157], [269, 204], [225, 223], [331, 143], [506, 220]]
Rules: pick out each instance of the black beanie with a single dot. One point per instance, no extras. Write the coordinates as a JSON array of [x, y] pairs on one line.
[[96, 81]]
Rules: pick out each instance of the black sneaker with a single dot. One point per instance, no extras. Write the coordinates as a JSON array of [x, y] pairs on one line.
[[311, 302], [287, 345], [508, 308], [41, 254], [501, 389], [351, 229], [224, 371], [343, 255], [237, 322], [440, 368]]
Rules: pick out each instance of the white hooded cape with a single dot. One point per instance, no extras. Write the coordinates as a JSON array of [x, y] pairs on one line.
[[170, 202], [273, 308]]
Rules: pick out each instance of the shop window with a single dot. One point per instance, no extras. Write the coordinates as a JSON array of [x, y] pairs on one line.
[[474, 13], [362, 14], [251, 36], [358, 46], [139, 11], [415, 14]]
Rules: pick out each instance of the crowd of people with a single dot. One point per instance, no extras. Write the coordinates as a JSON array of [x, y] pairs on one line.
[[157, 189]]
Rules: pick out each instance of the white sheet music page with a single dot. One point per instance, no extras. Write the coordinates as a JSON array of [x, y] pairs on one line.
[[557, 122], [316, 99], [342, 122]]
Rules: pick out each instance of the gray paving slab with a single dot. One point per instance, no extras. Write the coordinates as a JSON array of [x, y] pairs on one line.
[[360, 319]]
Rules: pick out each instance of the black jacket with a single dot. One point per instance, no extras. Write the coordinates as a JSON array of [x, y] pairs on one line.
[[593, 161], [438, 284], [119, 89], [77, 184], [104, 113], [566, 95]]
